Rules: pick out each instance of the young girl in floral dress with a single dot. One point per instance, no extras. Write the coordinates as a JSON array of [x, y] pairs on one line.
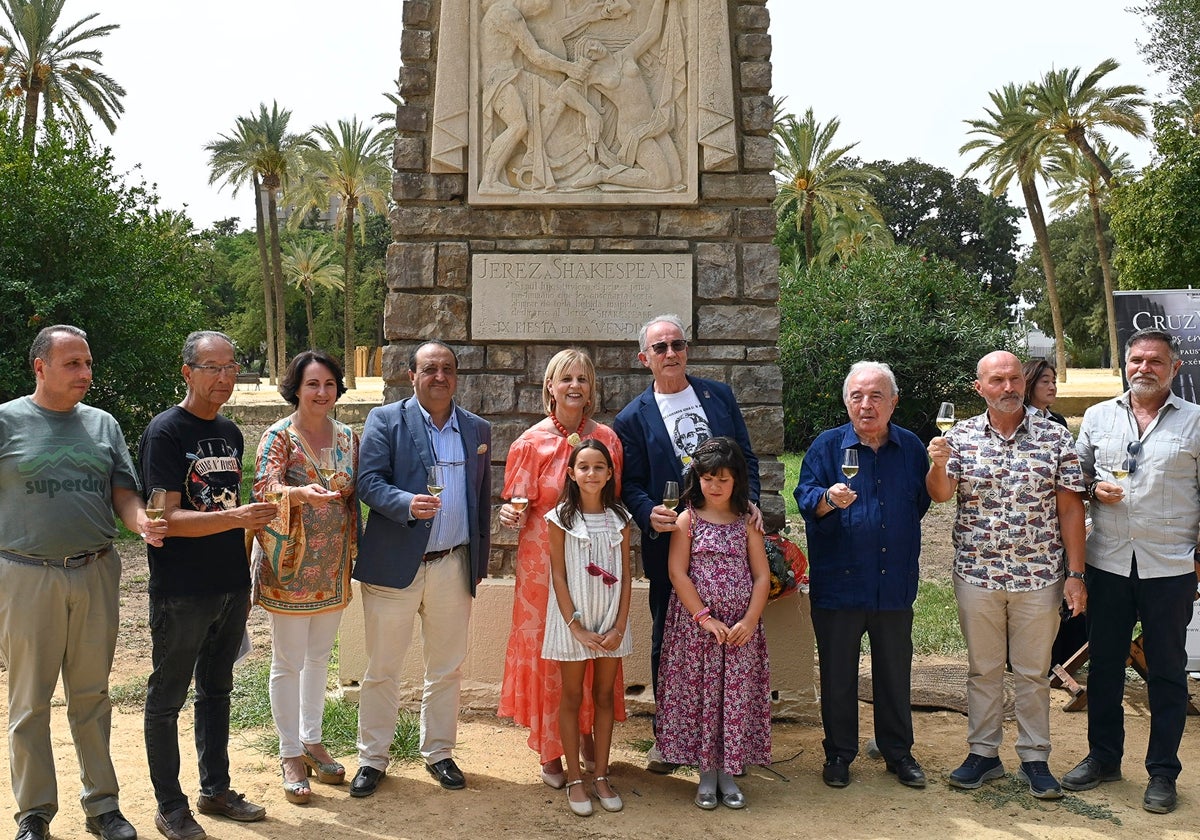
[[714, 708], [587, 617]]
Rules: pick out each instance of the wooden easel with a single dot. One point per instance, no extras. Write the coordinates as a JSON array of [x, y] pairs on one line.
[[1064, 675]]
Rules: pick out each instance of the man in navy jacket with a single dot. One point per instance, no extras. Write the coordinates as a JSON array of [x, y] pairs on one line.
[[659, 430], [864, 541], [420, 554]]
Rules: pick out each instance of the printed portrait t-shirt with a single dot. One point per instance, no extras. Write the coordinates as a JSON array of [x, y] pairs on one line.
[[202, 461], [686, 422]]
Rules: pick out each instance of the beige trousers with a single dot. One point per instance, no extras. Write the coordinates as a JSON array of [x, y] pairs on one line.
[[1018, 627]]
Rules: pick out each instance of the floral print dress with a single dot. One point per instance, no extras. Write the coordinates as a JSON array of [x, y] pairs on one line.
[[714, 705]]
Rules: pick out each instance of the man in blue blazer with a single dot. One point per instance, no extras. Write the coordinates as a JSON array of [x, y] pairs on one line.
[[659, 430], [423, 551]]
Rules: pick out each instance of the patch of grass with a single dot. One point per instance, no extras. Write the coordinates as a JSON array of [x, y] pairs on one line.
[[935, 621], [642, 745], [791, 477], [1011, 792], [251, 709], [129, 695]]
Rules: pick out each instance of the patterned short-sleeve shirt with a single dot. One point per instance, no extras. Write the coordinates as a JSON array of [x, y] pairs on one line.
[[1006, 533]]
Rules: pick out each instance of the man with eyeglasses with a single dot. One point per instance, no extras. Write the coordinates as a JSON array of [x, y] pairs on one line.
[[658, 432], [1141, 561], [421, 554], [199, 585], [1018, 552], [64, 471]]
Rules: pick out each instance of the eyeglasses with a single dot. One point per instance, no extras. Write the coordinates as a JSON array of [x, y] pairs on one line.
[[595, 571], [214, 370], [678, 345], [1134, 449]]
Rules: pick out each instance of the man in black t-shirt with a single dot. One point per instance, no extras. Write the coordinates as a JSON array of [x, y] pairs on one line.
[[199, 585]]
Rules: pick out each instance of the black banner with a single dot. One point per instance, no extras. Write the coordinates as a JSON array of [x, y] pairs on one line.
[[1174, 311]]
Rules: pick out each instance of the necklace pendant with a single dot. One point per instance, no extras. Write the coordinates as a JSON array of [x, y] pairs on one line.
[[573, 438]]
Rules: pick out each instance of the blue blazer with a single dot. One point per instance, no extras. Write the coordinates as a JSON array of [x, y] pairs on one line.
[[650, 459], [393, 458]]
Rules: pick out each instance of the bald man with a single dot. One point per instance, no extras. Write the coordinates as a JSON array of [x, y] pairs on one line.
[[1018, 535]]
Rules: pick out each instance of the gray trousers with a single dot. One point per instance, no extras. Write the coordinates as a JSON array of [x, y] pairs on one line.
[[52, 621]]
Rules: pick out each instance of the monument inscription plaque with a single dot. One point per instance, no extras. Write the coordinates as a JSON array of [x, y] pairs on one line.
[[564, 298]]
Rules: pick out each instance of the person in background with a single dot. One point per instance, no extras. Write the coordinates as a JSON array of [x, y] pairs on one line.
[[1041, 387], [302, 565], [535, 472]]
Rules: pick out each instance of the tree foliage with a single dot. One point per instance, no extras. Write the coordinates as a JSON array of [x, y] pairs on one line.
[[79, 246], [925, 317], [1154, 220], [55, 69], [1174, 45], [930, 210]]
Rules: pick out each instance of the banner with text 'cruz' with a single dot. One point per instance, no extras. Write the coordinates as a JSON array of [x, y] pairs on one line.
[[1175, 311]]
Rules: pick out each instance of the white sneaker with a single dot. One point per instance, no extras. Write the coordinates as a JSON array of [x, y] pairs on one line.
[[655, 763]]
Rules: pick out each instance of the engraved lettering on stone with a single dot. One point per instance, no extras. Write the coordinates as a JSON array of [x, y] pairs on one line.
[[574, 297], [584, 100]]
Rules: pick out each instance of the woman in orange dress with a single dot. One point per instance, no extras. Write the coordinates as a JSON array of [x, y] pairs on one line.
[[535, 470]]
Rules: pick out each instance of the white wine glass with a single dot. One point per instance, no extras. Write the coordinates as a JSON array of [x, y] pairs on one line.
[[671, 495], [327, 465], [156, 503], [945, 417], [433, 481], [850, 463]]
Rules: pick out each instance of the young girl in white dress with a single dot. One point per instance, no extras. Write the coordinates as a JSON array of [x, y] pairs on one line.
[[587, 616]]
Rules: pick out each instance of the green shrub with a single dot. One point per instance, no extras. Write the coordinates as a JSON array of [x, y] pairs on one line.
[[925, 317]]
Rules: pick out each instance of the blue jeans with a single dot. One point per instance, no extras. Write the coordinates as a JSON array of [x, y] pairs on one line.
[[1164, 606], [196, 636]]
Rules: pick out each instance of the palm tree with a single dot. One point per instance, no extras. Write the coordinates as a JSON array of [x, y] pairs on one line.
[[307, 265], [1073, 108], [349, 164], [1009, 148], [1186, 109], [816, 183], [846, 236], [55, 69], [262, 148], [1080, 183]]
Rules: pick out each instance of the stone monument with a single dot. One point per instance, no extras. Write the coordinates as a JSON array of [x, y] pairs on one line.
[[566, 169]]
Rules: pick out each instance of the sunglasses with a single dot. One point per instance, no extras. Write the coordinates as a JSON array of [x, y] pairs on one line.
[[678, 345], [1134, 449], [595, 571]]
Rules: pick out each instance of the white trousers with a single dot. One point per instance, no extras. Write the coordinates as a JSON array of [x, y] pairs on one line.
[[300, 649], [440, 595], [1019, 626]]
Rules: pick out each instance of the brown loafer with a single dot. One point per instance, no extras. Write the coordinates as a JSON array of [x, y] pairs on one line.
[[230, 804]]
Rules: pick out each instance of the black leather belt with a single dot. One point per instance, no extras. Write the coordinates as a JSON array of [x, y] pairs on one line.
[[438, 555], [75, 561]]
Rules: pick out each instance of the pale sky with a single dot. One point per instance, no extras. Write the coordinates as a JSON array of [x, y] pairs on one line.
[[902, 76]]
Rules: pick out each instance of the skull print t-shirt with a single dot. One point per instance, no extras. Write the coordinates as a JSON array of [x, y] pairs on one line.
[[202, 461]]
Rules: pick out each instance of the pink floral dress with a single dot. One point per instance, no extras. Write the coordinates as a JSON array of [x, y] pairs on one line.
[[714, 705]]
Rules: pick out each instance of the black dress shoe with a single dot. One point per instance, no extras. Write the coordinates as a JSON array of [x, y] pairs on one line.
[[447, 774], [1160, 795], [908, 771], [836, 772], [111, 825], [33, 827], [365, 781]]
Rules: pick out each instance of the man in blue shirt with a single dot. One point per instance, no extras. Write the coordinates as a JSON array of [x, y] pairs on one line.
[[864, 541]]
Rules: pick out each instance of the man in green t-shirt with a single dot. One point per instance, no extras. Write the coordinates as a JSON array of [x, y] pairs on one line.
[[64, 470]]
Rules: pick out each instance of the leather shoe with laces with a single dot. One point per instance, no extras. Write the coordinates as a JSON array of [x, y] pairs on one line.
[[908, 771], [836, 772], [1160, 795], [1089, 773], [230, 804], [111, 825], [178, 825], [365, 781], [33, 827], [447, 774]]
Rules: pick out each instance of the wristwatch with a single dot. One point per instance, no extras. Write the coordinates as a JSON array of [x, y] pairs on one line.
[[1076, 575]]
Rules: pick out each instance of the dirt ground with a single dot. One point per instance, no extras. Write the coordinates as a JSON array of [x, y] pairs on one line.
[[505, 798]]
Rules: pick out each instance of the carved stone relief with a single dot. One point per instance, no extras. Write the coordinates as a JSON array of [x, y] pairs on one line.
[[583, 101]]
